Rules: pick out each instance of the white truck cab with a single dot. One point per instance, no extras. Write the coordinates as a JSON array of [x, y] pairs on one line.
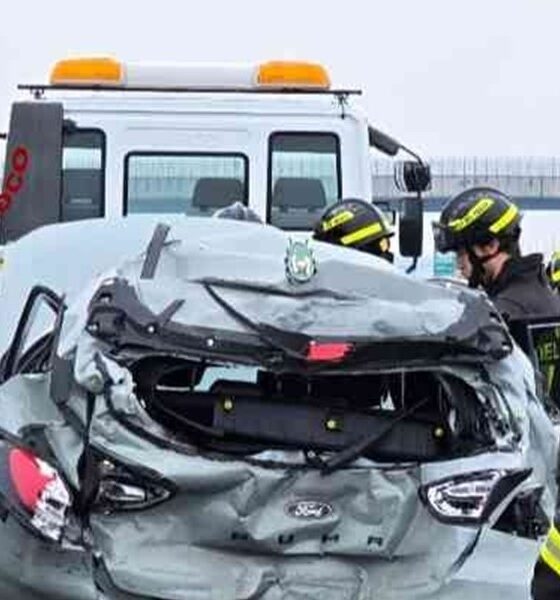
[[106, 139]]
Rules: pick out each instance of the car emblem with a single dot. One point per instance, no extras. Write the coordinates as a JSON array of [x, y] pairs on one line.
[[300, 262], [309, 510]]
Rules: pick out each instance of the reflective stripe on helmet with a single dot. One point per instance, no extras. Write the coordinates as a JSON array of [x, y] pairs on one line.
[[504, 220], [550, 550], [361, 234], [339, 219], [481, 207], [554, 267]]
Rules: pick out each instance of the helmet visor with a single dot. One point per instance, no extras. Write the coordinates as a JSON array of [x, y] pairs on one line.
[[444, 239]]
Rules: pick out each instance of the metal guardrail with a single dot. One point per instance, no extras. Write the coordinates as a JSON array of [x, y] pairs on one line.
[[520, 177]]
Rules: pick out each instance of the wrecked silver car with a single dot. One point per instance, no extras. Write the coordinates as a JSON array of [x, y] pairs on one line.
[[234, 414]]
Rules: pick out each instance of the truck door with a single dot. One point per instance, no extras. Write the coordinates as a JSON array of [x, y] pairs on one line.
[[31, 186], [54, 170]]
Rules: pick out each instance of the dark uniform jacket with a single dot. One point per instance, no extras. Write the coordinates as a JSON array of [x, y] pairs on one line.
[[522, 291]]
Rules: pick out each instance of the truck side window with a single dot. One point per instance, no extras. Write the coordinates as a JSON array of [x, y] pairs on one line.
[[304, 177], [83, 174], [192, 184]]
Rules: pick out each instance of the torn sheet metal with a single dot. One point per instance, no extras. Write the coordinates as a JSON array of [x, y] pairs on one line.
[[269, 525]]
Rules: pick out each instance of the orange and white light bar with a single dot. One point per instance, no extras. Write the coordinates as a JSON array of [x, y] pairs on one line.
[[108, 72]]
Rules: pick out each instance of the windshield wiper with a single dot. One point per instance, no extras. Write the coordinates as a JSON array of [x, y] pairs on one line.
[[352, 452]]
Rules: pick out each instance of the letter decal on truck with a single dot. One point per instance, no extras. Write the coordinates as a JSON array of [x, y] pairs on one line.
[[14, 180]]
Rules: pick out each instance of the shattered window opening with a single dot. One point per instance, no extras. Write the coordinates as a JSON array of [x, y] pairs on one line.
[[217, 404]]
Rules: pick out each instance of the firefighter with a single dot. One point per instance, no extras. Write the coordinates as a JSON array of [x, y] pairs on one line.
[[546, 578], [483, 226], [356, 224]]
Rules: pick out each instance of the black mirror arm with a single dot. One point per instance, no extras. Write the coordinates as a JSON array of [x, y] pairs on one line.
[[383, 142], [411, 153], [412, 266]]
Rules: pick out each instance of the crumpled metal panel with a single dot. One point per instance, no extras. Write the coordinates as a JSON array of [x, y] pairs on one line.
[[352, 294], [24, 399], [228, 531], [232, 520], [229, 517], [34, 570], [232, 512]]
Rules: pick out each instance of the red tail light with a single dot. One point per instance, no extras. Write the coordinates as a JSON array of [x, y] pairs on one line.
[[39, 489], [327, 351], [28, 477]]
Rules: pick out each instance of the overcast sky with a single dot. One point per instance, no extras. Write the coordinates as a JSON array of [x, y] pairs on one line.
[[444, 76]]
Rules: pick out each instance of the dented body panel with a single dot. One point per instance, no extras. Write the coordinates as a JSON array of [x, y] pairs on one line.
[[177, 515]]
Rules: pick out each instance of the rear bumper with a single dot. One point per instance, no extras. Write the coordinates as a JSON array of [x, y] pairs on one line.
[[500, 568]]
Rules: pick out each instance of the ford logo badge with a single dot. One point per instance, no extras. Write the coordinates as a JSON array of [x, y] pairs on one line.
[[309, 510]]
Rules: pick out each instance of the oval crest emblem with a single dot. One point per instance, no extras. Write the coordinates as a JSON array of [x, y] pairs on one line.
[[300, 262], [309, 510]]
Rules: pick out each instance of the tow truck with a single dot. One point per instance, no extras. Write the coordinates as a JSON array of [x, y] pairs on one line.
[[106, 138]]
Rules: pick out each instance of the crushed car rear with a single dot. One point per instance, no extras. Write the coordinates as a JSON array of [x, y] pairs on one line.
[[210, 422]]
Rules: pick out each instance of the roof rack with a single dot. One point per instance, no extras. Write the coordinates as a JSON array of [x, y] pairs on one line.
[[39, 89]]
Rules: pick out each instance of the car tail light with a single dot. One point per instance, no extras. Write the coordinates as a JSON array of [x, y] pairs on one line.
[[327, 351], [119, 489], [471, 498], [41, 492]]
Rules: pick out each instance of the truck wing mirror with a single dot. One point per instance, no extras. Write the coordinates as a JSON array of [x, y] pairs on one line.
[[413, 176], [411, 227]]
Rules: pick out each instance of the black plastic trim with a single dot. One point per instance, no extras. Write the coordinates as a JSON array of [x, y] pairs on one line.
[[153, 251], [38, 88], [13, 353]]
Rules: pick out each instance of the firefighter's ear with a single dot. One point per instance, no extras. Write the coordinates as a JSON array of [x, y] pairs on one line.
[[489, 249]]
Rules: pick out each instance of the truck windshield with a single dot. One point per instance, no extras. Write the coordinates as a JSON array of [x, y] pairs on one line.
[[192, 184], [304, 177]]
